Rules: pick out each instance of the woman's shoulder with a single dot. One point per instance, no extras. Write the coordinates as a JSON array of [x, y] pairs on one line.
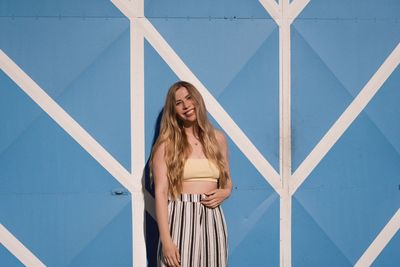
[[159, 149], [220, 136]]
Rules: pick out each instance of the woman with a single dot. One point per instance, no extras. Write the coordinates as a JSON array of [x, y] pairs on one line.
[[190, 169]]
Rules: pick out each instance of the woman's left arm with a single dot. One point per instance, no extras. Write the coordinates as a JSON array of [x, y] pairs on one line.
[[215, 197]]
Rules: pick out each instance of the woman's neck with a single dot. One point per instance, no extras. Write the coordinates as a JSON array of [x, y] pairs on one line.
[[189, 130]]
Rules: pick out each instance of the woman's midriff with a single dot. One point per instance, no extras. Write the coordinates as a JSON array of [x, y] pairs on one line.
[[198, 187]]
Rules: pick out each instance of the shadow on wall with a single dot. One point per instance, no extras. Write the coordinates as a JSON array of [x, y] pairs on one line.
[[151, 228]]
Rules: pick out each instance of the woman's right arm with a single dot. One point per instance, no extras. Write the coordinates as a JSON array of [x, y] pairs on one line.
[[170, 251]]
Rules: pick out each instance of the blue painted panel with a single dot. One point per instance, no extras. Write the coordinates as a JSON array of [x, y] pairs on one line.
[[333, 9], [158, 78], [222, 9], [54, 196], [326, 77], [88, 8], [252, 99], [221, 50], [84, 67], [390, 255], [233, 68], [353, 192], [360, 47], [111, 246], [253, 222], [14, 101], [311, 246], [318, 99], [384, 110], [8, 259]]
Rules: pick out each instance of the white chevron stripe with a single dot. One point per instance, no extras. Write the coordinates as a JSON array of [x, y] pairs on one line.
[[346, 119], [295, 9], [63, 119], [380, 241], [22, 253]]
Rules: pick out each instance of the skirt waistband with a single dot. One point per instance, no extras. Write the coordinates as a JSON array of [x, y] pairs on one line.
[[189, 197]]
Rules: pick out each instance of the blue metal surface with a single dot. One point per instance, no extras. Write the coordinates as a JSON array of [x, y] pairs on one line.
[[62, 204], [8, 259]]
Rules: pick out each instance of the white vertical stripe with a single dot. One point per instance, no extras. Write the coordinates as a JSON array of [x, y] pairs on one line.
[[285, 154], [380, 241], [134, 10], [284, 16], [64, 120], [22, 253], [137, 141], [346, 119]]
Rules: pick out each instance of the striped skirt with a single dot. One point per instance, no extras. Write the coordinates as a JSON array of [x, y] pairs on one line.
[[198, 232]]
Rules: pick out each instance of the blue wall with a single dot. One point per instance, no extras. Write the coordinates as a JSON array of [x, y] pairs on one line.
[[56, 198]]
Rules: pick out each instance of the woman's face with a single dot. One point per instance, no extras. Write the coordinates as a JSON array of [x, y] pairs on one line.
[[185, 107]]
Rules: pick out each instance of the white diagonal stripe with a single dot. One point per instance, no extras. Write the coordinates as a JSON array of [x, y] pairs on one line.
[[63, 119], [215, 109], [295, 8], [345, 120], [125, 8], [273, 9], [380, 241], [22, 253]]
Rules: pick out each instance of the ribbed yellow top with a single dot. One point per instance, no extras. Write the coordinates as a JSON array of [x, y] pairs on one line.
[[200, 170]]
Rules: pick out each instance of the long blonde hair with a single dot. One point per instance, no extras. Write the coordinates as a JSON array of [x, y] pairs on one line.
[[177, 148]]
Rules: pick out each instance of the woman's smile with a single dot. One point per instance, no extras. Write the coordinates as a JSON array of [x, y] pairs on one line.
[[185, 106]]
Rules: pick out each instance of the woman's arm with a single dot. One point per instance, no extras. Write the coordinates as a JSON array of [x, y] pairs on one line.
[[224, 149], [217, 196], [170, 251]]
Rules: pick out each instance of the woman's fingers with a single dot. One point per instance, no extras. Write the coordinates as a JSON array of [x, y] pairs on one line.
[[172, 261], [212, 203], [211, 192], [178, 257], [213, 199], [171, 256]]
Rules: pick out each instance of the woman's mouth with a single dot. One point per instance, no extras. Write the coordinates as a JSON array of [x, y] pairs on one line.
[[189, 112]]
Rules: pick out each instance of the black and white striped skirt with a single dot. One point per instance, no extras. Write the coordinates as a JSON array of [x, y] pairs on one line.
[[199, 232]]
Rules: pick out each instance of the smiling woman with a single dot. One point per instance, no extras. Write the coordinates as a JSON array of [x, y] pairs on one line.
[[190, 168]]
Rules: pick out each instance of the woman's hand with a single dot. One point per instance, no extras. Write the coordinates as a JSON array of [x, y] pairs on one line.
[[214, 198], [171, 254]]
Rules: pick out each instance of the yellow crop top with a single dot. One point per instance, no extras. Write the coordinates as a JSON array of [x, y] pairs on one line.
[[200, 170]]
